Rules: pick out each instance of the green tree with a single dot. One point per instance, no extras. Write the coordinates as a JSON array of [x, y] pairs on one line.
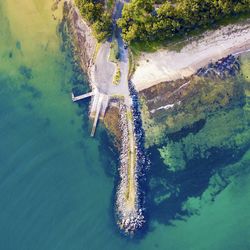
[[147, 20], [94, 12]]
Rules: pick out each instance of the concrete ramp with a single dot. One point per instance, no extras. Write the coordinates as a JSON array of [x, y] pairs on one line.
[[97, 112], [105, 104]]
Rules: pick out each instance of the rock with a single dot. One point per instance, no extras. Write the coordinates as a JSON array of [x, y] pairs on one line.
[[83, 41]]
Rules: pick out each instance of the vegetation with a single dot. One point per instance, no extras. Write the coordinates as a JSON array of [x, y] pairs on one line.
[[114, 52], [114, 57], [97, 47], [151, 20], [131, 188], [110, 3], [117, 77], [95, 13], [146, 24], [131, 63]]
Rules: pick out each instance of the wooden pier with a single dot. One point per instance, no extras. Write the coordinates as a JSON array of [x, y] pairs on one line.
[[81, 97], [98, 107]]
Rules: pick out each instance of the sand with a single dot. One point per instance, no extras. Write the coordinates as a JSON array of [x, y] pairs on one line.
[[166, 65]]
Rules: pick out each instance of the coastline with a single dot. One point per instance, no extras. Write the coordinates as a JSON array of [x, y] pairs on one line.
[[84, 44], [130, 208], [166, 65], [59, 185], [129, 197]]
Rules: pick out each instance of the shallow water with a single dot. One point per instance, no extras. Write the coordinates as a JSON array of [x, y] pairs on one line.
[[55, 190]]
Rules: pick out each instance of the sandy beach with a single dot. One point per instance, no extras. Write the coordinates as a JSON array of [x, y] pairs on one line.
[[166, 65]]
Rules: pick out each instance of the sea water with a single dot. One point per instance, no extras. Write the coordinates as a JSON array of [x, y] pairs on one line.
[[57, 183]]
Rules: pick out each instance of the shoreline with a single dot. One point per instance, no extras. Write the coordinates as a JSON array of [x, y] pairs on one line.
[[155, 68], [83, 42], [129, 197], [166, 65]]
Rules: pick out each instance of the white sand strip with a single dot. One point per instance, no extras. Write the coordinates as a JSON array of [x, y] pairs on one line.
[[166, 65]]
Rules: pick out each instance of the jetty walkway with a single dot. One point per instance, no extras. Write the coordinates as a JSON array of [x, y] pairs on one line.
[[128, 208], [98, 108], [81, 97], [103, 73]]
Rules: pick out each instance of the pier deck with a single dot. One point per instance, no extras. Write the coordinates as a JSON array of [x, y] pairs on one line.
[[81, 97]]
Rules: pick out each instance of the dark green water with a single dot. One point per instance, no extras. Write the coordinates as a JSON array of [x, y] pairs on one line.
[[55, 192]]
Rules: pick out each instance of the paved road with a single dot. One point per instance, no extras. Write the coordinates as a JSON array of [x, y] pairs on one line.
[[105, 70]]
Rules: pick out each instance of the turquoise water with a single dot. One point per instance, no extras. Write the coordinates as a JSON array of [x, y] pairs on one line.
[[57, 183]]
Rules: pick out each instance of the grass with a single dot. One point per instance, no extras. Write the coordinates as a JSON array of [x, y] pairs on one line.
[[131, 59], [120, 97], [97, 47], [117, 77], [114, 57], [144, 46], [110, 5], [131, 191], [114, 52], [129, 116], [234, 19]]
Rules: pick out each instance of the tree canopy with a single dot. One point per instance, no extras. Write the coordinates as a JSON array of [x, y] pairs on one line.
[[148, 20], [95, 13]]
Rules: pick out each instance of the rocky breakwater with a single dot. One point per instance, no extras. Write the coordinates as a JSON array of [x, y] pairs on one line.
[[223, 68], [82, 40], [130, 202]]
